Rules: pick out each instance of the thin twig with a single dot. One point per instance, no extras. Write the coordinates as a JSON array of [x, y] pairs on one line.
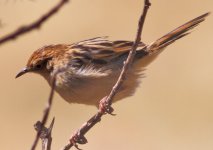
[[46, 113], [35, 25], [131, 55], [105, 103]]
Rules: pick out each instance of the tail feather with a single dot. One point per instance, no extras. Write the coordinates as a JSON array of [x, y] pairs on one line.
[[174, 35]]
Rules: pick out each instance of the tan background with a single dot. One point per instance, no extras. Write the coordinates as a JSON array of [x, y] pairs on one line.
[[173, 109]]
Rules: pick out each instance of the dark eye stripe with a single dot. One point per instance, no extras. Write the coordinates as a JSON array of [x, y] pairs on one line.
[[38, 66]]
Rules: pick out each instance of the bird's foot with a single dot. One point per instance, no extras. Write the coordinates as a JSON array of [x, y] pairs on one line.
[[105, 107]]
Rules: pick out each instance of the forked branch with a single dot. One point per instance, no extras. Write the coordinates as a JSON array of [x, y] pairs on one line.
[[46, 134], [45, 115]]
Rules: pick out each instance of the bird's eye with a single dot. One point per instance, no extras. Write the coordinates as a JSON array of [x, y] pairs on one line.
[[38, 66]]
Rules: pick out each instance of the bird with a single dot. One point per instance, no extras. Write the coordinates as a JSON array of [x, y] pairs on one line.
[[87, 70]]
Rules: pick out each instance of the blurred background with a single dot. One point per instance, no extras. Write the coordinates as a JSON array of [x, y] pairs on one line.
[[172, 109]]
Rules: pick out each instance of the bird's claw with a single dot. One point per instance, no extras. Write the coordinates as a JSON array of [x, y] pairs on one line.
[[105, 107]]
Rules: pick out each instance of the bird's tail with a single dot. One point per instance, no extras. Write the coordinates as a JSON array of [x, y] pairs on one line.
[[174, 35]]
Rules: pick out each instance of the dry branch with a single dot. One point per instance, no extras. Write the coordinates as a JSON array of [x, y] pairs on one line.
[[46, 113], [35, 25]]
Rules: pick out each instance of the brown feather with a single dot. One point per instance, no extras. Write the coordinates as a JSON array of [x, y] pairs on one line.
[[176, 34]]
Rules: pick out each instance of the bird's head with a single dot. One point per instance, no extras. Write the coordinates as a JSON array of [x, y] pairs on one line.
[[41, 60]]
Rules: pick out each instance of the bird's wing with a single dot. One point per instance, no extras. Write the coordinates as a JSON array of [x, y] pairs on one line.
[[90, 57], [100, 48]]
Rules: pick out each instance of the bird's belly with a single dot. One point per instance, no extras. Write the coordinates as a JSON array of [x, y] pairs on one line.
[[91, 91]]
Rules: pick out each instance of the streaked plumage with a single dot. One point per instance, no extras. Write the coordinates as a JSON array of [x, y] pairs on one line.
[[93, 65]]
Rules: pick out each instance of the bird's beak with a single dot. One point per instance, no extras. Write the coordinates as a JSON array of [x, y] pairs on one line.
[[23, 71]]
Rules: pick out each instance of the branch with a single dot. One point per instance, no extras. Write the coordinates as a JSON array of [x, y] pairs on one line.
[[35, 25], [105, 103], [46, 113], [46, 134]]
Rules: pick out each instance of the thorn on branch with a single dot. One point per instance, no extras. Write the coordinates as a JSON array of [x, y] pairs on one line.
[[45, 132]]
